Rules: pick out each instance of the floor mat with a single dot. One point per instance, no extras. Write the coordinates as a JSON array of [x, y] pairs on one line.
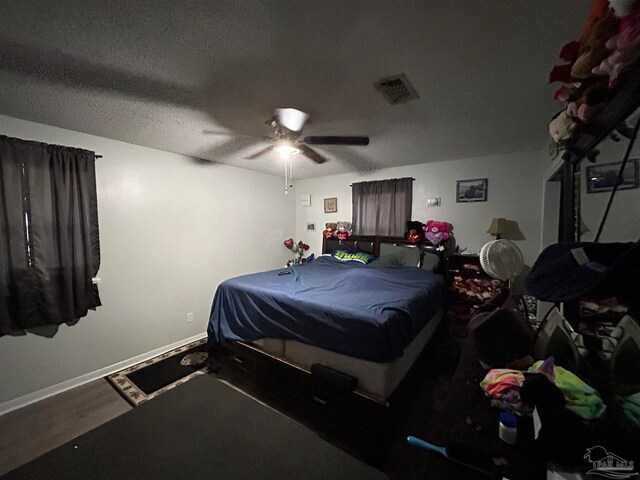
[[147, 380]]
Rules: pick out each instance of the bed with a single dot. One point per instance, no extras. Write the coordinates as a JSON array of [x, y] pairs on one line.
[[367, 321]]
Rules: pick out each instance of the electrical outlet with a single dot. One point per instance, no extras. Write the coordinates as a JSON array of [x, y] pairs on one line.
[[189, 317]]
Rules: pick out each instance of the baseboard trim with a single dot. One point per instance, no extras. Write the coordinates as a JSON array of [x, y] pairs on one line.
[[25, 400]]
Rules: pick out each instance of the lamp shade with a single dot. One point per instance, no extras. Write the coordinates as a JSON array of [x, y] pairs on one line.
[[498, 226]]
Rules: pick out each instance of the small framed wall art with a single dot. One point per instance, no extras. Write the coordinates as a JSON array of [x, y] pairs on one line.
[[305, 199], [603, 177], [474, 190], [311, 226], [331, 205]]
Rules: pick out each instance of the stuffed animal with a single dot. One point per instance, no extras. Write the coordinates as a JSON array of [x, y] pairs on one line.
[[587, 100], [597, 10], [582, 111], [562, 127], [343, 230], [330, 229], [574, 51], [593, 49], [625, 43], [414, 232], [623, 8], [436, 231]]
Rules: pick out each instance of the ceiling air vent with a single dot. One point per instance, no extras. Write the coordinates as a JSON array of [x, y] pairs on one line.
[[396, 89]]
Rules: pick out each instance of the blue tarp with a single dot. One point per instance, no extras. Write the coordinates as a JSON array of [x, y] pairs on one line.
[[363, 311]]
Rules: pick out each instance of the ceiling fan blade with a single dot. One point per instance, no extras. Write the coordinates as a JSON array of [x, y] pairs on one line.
[[332, 140], [312, 154], [260, 153], [291, 118], [229, 134]]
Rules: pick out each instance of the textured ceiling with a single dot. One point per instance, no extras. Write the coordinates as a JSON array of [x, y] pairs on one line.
[[159, 73]]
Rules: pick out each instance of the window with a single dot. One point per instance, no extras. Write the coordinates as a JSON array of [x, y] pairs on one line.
[[382, 207]]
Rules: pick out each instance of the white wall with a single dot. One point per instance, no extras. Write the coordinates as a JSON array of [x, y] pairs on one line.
[[623, 222], [514, 192], [171, 229]]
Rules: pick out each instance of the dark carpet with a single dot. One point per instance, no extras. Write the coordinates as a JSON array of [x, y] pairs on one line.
[[202, 429]]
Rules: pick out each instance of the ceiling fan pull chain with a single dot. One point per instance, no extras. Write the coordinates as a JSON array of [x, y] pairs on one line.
[[290, 171], [286, 180]]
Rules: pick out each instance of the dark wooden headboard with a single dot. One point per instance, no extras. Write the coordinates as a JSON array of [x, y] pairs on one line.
[[371, 244]]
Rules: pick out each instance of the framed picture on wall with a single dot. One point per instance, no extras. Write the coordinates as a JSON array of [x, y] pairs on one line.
[[602, 178], [474, 190], [331, 205]]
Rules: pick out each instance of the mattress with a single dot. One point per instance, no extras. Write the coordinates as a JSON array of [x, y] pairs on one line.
[[375, 379], [363, 311]]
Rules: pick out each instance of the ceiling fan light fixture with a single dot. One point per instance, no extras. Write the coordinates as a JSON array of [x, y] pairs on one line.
[[286, 149]]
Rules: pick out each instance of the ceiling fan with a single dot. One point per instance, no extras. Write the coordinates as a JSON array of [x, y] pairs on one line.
[[287, 138]]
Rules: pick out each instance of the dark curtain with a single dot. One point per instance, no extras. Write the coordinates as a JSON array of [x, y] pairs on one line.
[[382, 207], [49, 244]]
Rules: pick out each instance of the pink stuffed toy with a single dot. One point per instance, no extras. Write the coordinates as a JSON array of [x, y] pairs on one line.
[[436, 231], [626, 44]]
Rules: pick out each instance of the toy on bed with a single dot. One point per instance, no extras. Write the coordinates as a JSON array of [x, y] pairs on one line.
[[344, 230], [330, 229], [414, 232], [436, 231]]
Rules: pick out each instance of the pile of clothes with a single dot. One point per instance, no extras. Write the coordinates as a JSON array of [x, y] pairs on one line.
[[503, 386]]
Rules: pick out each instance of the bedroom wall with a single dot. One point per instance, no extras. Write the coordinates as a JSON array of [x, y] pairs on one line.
[[623, 221], [514, 192], [171, 229]]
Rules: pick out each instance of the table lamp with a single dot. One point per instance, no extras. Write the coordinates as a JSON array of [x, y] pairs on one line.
[[498, 227]]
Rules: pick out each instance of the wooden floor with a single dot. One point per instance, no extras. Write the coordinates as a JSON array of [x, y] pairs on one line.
[[29, 432]]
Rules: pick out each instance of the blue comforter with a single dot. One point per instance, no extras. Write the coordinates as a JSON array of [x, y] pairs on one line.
[[363, 311]]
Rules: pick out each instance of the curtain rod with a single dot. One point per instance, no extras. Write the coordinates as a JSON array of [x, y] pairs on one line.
[[412, 179], [98, 156]]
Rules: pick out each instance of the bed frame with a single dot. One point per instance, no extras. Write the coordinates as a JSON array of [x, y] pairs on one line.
[[282, 377], [371, 244]]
